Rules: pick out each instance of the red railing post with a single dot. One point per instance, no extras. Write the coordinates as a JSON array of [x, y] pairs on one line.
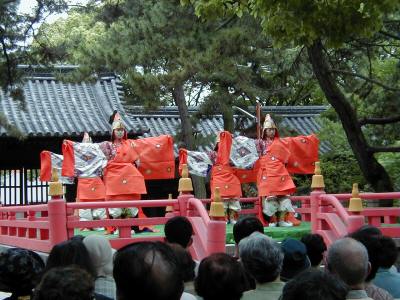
[[32, 232], [216, 236], [317, 186], [185, 188], [183, 204], [356, 220], [57, 220], [12, 230], [169, 210], [217, 211], [57, 209]]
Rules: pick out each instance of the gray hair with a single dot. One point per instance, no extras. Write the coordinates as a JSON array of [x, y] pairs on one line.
[[348, 259], [261, 256]]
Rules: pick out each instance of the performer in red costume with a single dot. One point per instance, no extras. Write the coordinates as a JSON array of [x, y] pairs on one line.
[[90, 186], [223, 176], [273, 180], [117, 163], [121, 177]]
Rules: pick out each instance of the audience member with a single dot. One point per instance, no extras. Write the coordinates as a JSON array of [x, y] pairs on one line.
[[348, 259], [372, 244], [179, 230], [72, 253], [314, 284], [369, 230], [148, 270], [262, 258], [295, 259], [78, 237], [220, 277], [20, 271], [385, 278], [244, 227], [315, 248], [65, 283], [187, 267], [101, 254]]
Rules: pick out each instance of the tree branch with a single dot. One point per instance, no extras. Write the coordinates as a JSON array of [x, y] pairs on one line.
[[196, 102], [365, 78], [390, 53], [388, 34], [383, 149], [379, 121], [225, 23]]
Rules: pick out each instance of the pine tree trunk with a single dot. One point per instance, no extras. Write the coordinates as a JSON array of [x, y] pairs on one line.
[[227, 116], [373, 172], [187, 136]]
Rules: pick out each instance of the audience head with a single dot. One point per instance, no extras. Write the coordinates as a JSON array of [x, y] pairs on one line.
[[246, 226], [368, 230], [315, 248], [185, 262], [220, 276], [261, 257], [78, 238], [314, 284], [388, 252], [100, 253], [20, 271], [147, 270], [295, 259], [348, 259], [71, 252], [179, 230], [65, 283], [372, 244]]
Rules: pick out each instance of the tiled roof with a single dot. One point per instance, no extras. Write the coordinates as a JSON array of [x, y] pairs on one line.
[[302, 119], [56, 108]]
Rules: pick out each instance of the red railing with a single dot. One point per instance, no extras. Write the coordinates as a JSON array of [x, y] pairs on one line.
[[209, 235], [332, 220], [27, 226], [123, 225], [39, 227]]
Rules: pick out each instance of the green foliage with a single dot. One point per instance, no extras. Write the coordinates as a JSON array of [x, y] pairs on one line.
[[11, 130], [391, 162], [340, 171], [303, 21], [16, 31], [71, 40], [332, 132], [303, 184], [339, 166]]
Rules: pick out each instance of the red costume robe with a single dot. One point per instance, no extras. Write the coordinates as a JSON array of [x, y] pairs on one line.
[[273, 178], [222, 174], [122, 179]]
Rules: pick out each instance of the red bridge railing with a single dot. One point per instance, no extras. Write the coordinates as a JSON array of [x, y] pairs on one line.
[[39, 227]]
